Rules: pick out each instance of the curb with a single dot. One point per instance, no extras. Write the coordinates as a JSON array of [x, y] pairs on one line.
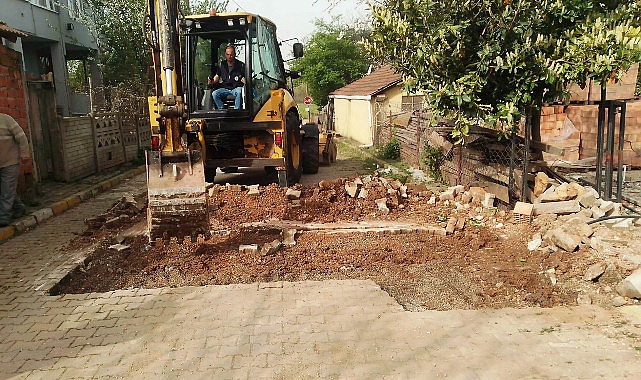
[[31, 221]]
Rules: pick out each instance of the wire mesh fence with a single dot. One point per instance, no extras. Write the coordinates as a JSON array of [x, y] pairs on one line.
[[483, 159]]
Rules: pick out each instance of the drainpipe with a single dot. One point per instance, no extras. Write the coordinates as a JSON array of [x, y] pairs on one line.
[[371, 122]]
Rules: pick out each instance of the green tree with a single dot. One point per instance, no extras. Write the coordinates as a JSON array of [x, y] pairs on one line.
[[333, 58], [124, 53], [493, 61]]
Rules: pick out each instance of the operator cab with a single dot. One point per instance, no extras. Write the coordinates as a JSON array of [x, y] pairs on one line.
[[255, 43]]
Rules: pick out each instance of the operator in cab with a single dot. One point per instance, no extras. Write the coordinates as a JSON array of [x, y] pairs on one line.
[[230, 76]]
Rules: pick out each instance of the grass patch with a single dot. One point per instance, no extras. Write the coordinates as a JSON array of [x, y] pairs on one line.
[[547, 330]]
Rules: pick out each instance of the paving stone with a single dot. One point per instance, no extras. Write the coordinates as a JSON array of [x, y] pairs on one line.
[[311, 329]]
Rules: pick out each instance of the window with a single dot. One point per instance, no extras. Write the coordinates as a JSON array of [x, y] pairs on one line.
[[76, 8], [48, 4], [412, 102], [266, 66]]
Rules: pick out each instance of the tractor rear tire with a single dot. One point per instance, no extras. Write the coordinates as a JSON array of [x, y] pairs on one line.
[[310, 149], [210, 175]]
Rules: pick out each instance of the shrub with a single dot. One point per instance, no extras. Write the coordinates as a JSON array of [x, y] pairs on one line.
[[432, 158], [389, 151]]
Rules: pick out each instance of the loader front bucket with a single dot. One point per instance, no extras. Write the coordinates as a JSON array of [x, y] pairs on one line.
[[177, 196]]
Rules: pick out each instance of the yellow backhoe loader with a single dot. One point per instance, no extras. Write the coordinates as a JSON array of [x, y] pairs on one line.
[[191, 138]]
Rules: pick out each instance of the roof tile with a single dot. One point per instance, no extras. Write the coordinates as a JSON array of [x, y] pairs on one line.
[[372, 84]]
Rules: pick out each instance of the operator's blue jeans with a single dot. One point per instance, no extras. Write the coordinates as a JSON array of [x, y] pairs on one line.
[[221, 94], [8, 198]]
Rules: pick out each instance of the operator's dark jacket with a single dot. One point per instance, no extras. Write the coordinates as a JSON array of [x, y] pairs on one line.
[[231, 80]]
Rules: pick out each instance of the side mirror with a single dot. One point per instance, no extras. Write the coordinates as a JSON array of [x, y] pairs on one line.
[[298, 50]]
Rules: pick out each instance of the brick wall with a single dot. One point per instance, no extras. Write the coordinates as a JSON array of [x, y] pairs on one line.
[[13, 103], [12, 95], [574, 128]]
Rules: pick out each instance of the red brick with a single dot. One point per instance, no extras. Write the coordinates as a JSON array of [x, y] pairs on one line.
[[547, 111]]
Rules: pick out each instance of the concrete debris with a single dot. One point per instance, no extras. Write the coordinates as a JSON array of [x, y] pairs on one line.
[[564, 240], [560, 207], [631, 286], [119, 247], [631, 260], [403, 191], [625, 223], [363, 194], [584, 299], [587, 199], [292, 194], [253, 190], [248, 248], [597, 212], [551, 273], [382, 205], [619, 301], [477, 193], [234, 187], [541, 183], [351, 188], [289, 237], [535, 243], [488, 201], [268, 249], [326, 184], [610, 275], [451, 225], [447, 195], [594, 271], [563, 192]]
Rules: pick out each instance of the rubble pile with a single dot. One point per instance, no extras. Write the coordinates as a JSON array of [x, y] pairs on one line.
[[118, 214], [570, 217], [368, 203]]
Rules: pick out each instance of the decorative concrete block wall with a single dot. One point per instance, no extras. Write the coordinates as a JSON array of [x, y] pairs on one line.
[[74, 148]]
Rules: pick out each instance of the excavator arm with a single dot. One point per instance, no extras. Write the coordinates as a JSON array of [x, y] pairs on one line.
[[175, 173]]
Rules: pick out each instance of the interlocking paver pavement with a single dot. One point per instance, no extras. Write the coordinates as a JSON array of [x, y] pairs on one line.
[[302, 330]]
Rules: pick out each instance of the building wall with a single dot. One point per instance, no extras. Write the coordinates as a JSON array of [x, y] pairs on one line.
[[353, 118], [361, 117], [55, 32]]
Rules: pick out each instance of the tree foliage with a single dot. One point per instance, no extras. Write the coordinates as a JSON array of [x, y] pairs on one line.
[[124, 53], [493, 60], [333, 58]]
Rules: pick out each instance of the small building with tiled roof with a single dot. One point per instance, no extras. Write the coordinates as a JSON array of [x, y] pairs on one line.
[[361, 105]]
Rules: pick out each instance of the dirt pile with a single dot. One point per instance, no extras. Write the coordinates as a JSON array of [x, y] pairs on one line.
[[473, 255]]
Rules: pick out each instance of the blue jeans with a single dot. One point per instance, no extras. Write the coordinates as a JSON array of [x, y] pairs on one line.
[[221, 94], [9, 200]]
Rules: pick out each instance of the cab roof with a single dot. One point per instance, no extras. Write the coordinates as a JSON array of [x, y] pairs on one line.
[[249, 16]]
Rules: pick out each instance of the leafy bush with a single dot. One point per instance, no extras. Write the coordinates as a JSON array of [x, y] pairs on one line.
[[389, 151], [432, 158]]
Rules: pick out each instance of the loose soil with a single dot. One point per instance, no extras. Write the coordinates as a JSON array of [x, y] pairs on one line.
[[487, 264]]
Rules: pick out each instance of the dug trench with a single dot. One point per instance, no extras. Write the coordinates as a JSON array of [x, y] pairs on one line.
[[408, 250]]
